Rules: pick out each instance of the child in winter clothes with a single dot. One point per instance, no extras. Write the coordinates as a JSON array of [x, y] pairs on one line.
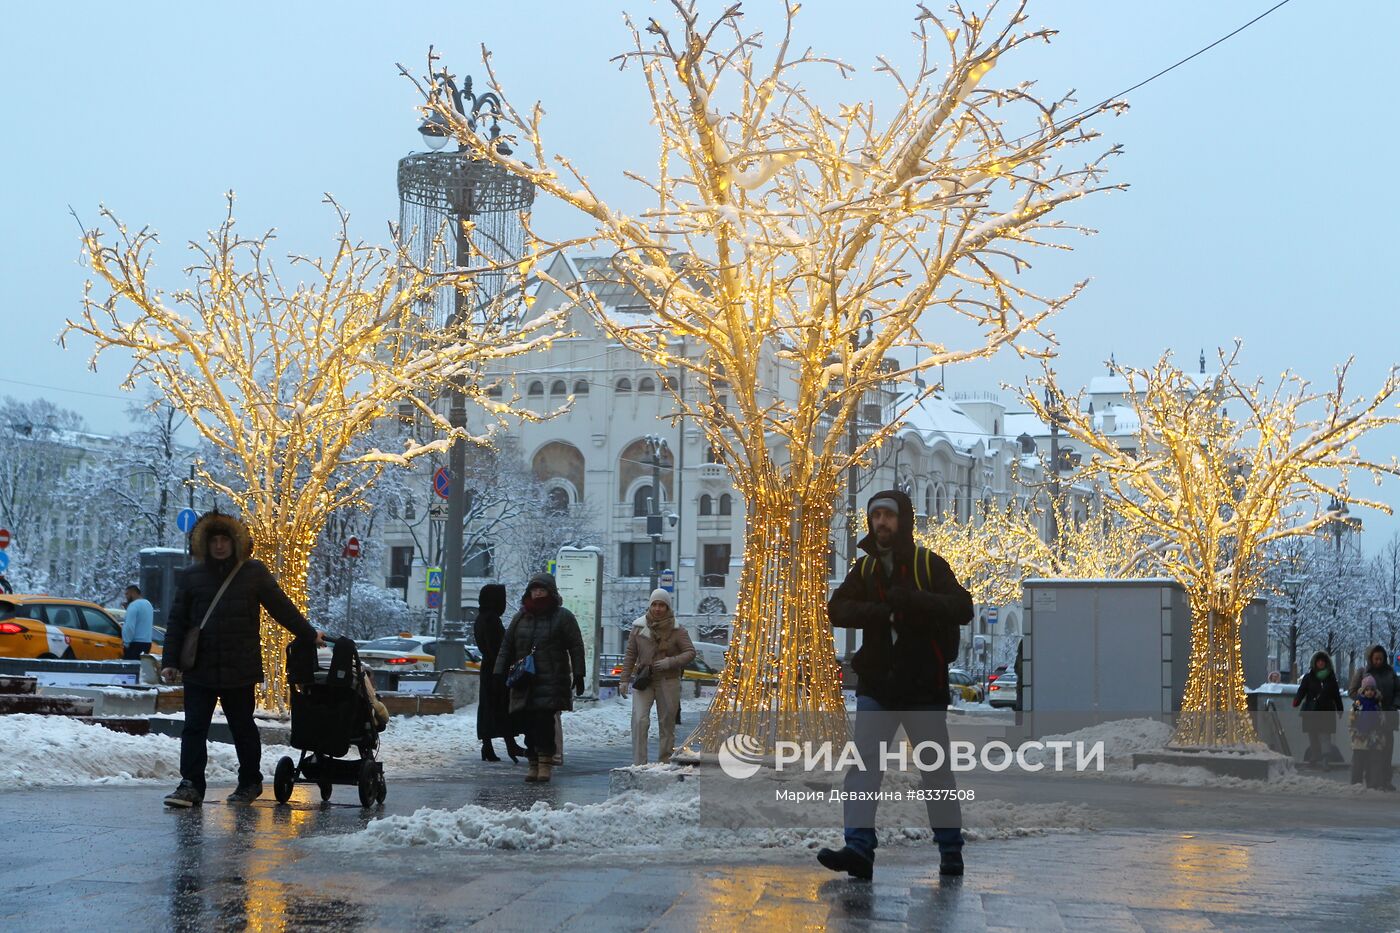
[[1367, 740]]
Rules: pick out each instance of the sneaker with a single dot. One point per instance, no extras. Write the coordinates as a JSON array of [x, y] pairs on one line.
[[246, 793], [848, 860], [186, 795], [950, 863]]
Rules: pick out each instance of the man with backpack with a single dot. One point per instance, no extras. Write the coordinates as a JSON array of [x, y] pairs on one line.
[[910, 608]]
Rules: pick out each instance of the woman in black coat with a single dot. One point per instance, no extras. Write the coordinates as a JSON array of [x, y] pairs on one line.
[[545, 629], [1320, 697], [493, 719]]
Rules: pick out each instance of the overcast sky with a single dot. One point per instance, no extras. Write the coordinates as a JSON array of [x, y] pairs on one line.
[[1259, 205]]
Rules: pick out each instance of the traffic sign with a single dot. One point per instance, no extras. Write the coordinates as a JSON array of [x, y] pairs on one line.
[[352, 547], [434, 582], [442, 482], [667, 581], [4, 538], [4, 560], [434, 599], [186, 519], [992, 615]]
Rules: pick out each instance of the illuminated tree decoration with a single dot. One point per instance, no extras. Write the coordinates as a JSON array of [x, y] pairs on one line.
[[775, 224], [993, 552], [1222, 471], [283, 382]]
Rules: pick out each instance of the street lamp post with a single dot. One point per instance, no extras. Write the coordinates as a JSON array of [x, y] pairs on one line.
[[1293, 587], [1053, 404], [442, 188], [656, 446]]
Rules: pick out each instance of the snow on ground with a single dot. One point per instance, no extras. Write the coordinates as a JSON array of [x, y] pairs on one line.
[[44, 750], [660, 819], [1120, 738]]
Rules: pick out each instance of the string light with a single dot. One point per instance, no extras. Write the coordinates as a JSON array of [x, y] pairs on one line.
[[287, 384], [1222, 470], [779, 231]]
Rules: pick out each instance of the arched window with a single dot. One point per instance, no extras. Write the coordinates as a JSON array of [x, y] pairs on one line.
[[672, 383], [536, 388], [560, 464], [928, 501], [711, 455], [707, 505], [646, 384], [624, 385], [726, 504], [938, 504], [641, 501], [581, 387], [557, 502], [559, 387]]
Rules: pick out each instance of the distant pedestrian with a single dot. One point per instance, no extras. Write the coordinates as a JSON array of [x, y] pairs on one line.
[[216, 602], [138, 628], [1368, 726], [545, 635], [493, 719], [1320, 700], [1388, 694], [658, 650]]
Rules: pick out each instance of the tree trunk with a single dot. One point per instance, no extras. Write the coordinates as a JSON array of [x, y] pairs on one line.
[[780, 680], [1213, 710], [287, 553]]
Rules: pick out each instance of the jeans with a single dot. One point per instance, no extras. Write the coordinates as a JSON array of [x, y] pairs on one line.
[[238, 706], [539, 733], [927, 724], [132, 651]]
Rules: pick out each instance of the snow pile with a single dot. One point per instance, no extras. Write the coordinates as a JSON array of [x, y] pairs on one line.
[[42, 750], [665, 817], [1121, 738], [1189, 776]]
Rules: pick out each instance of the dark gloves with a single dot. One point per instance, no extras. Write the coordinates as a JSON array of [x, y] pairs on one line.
[[578, 686], [903, 600]]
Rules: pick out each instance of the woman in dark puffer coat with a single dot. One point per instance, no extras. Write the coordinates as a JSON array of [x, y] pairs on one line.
[[544, 628]]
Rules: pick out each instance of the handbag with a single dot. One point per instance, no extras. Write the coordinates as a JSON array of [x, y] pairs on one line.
[[642, 679], [522, 671], [189, 648]]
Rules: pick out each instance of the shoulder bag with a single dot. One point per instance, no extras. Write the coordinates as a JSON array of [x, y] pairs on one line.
[[523, 671], [189, 648]]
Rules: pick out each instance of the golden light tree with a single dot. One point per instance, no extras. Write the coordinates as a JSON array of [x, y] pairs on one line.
[[778, 229], [285, 381], [1222, 470], [993, 552]]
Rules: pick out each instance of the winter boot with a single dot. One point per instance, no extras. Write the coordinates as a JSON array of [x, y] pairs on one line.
[[950, 863], [246, 793], [533, 775], [848, 860], [186, 795], [546, 766], [488, 751], [514, 751]]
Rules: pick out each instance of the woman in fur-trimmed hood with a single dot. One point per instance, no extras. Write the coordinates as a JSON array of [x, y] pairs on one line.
[[228, 658]]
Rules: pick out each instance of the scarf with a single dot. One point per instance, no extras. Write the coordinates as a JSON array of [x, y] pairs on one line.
[[538, 606]]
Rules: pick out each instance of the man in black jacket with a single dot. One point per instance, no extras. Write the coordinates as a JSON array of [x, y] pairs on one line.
[[910, 607], [228, 662]]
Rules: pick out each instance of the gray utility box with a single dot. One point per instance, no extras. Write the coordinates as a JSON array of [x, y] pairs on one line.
[[1117, 646]]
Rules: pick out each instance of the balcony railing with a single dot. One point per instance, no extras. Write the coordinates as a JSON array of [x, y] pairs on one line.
[[713, 581]]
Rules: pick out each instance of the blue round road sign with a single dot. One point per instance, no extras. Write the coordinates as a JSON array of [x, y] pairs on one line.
[[442, 482], [186, 519], [4, 560]]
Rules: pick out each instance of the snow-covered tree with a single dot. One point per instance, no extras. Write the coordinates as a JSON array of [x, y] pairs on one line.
[[1222, 470], [780, 228], [283, 380]]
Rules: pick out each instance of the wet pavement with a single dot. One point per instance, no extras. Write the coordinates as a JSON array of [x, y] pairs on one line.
[[112, 858]]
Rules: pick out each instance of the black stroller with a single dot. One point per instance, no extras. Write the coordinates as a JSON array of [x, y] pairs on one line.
[[331, 711]]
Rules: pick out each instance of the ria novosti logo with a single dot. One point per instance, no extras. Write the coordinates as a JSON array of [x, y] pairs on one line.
[[741, 756]]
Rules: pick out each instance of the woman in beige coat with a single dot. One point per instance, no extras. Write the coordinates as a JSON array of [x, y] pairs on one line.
[[658, 650]]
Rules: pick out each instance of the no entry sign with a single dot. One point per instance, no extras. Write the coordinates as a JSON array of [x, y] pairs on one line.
[[352, 547], [4, 538]]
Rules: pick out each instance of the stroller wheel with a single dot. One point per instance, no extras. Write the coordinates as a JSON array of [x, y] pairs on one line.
[[383, 789], [326, 788], [283, 779], [369, 782]]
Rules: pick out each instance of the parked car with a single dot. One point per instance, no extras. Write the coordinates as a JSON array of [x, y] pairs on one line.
[[698, 670], [963, 687], [37, 626], [1004, 690]]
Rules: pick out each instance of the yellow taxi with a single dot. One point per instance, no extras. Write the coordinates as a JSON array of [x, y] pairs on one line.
[[35, 626]]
